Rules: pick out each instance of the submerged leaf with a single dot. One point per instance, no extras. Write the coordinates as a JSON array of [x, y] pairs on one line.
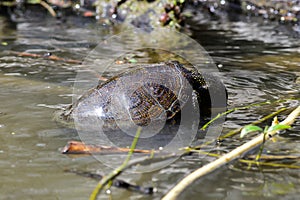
[[249, 129], [132, 60]]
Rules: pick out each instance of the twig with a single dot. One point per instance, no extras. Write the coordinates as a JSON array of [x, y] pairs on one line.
[[49, 57], [106, 179], [234, 154], [48, 7], [8, 3], [275, 157], [55, 58], [269, 164]]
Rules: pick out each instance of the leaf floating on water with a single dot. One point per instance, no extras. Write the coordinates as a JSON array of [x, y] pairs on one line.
[[249, 129]]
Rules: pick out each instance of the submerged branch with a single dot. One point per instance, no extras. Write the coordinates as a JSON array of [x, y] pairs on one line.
[[117, 182], [77, 147], [260, 163], [264, 159], [46, 56]]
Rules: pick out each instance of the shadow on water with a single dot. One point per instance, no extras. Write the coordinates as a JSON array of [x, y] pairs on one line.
[[256, 64]]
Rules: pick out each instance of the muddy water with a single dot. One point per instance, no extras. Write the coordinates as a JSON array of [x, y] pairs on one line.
[[256, 65]]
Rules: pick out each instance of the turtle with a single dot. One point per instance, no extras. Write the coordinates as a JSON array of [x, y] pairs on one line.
[[144, 95]]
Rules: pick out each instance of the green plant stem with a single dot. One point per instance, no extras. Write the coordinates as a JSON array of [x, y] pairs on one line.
[[243, 108], [236, 131], [204, 127], [269, 164], [106, 179], [8, 3], [261, 148]]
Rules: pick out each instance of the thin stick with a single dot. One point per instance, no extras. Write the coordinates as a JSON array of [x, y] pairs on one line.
[[232, 110], [49, 8], [269, 164], [234, 154], [117, 182], [49, 57], [56, 58]]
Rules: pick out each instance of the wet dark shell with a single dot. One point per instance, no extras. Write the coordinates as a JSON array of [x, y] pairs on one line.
[[148, 93]]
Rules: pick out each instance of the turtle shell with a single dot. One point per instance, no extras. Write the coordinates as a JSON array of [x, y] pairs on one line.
[[147, 94]]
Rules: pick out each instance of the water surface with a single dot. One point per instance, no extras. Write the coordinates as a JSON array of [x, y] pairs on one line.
[[256, 64]]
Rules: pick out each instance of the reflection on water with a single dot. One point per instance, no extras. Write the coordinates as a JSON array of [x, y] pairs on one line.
[[256, 65]]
